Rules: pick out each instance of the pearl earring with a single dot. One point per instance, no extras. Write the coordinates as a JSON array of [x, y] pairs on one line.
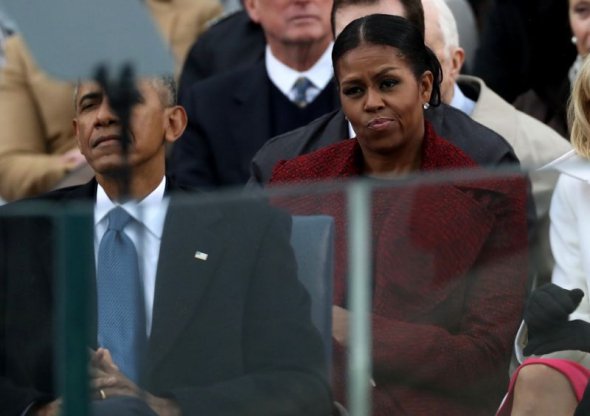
[[426, 106], [574, 40]]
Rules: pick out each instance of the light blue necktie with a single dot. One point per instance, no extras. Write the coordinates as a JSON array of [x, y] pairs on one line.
[[121, 310], [300, 87]]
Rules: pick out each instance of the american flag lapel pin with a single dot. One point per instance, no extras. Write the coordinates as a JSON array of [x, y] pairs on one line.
[[199, 255]]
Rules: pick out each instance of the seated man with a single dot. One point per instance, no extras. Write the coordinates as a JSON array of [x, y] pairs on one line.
[[215, 322]]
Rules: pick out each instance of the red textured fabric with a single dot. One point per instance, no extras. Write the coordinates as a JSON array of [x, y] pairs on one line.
[[450, 272]]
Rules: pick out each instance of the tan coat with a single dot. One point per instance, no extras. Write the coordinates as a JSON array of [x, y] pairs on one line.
[[36, 111], [535, 145]]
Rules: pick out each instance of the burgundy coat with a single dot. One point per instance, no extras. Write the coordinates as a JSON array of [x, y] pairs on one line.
[[450, 272]]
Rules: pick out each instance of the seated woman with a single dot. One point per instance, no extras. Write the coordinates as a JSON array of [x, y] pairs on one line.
[[450, 259], [558, 315]]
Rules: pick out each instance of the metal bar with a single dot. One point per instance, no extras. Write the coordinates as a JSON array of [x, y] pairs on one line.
[[359, 299], [74, 271]]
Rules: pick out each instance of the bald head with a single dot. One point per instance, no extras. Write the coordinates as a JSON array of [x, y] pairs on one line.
[[442, 37]]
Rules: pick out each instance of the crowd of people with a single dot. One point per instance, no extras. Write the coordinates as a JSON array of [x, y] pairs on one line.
[[478, 181]]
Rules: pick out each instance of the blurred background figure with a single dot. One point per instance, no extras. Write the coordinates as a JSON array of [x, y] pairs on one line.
[[513, 58], [231, 6], [7, 28], [37, 147], [440, 346], [534, 143], [548, 103], [232, 42]]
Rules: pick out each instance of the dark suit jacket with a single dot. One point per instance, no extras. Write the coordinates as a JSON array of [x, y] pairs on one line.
[[484, 146], [230, 335], [449, 273], [228, 121], [233, 41]]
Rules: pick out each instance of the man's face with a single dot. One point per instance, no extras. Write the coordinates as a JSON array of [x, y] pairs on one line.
[[347, 14], [292, 21], [98, 130]]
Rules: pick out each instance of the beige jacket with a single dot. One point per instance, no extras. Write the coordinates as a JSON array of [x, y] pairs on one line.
[[535, 144], [36, 111]]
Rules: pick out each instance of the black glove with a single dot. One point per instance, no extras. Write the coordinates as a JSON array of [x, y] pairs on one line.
[[583, 408], [570, 335], [549, 306]]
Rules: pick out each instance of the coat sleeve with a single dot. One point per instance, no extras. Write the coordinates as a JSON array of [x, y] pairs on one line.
[[475, 350], [31, 139], [15, 394]]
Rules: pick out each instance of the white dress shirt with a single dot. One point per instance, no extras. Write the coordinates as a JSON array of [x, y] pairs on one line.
[[145, 232], [461, 102], [284, 77]]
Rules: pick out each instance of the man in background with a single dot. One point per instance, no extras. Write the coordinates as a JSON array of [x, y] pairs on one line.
[[232, 115]]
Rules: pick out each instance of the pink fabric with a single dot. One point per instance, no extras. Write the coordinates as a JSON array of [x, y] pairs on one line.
[[577, 375]]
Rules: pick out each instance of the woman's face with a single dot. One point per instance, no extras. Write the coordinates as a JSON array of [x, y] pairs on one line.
[[382, 98], [579, 14]]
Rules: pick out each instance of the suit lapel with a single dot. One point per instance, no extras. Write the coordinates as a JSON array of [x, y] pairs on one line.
[[183, 274]]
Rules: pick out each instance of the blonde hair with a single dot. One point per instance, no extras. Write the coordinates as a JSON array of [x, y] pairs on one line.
[[579, 111]]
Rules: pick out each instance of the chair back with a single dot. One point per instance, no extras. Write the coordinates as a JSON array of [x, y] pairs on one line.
[[312, 238]]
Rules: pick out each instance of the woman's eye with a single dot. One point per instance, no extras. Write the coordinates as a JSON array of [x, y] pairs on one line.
[[582, 11], [388, 84], [352, 91]]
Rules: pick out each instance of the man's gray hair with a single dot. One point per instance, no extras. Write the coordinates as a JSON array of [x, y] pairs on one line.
[[167, 86]]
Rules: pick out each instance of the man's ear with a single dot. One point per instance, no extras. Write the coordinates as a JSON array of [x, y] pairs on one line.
[[252, 8], [457, 60], [177, 121]]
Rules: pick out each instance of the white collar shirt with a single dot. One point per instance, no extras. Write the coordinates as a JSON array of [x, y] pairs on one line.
[[461, 102], [284, 77]]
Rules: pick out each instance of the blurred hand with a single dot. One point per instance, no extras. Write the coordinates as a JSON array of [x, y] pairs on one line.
[[106, 377], [550, 306], [48, 409], [72, 159], [340, 324]]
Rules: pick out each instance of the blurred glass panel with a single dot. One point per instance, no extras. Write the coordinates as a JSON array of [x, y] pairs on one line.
[[74, 38], [447, 268]]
